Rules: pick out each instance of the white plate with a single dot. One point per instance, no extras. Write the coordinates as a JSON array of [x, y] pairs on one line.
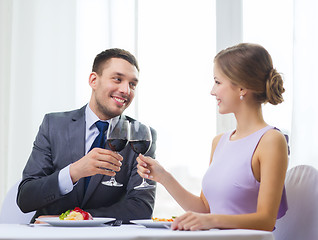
[[55, 221], [149, 223]]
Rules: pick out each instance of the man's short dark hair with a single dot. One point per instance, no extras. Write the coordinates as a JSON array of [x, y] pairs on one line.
[[108, 54]]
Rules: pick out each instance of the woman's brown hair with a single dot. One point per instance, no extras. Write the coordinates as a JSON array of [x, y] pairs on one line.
[[250, 66]]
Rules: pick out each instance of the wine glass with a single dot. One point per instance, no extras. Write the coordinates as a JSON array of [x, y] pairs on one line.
[[117, 139], [140, 141]]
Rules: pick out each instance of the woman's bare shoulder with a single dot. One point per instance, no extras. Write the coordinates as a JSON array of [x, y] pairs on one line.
[[273, 137], [273, 142]]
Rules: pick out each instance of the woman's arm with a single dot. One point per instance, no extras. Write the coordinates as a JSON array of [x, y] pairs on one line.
[[151, 169]]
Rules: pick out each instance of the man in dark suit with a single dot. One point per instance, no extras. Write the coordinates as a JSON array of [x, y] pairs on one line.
[[61, 159]]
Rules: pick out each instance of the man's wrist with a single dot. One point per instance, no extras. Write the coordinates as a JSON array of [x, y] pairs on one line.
[[65, 181], [73, 173]]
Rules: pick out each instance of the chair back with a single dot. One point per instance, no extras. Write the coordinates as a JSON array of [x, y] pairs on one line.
[[10, 211], [301, 219]]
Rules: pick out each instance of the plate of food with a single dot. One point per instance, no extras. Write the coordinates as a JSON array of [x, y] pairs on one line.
[[154, 222], [55, 221], [75, 218]]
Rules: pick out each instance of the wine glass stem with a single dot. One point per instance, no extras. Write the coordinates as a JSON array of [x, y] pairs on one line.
[[143, 181]]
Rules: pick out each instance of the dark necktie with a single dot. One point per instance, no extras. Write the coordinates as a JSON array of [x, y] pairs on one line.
[[98, 142]]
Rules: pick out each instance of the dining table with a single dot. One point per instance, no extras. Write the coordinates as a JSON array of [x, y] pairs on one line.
[[122, 232]]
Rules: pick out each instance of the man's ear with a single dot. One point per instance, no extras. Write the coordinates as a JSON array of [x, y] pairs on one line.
[[92, 81]]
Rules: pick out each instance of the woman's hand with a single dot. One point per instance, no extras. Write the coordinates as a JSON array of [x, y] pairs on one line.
[[149, 168], [192, 221]]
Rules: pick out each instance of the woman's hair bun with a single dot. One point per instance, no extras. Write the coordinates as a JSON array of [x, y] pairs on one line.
[[274, 87]]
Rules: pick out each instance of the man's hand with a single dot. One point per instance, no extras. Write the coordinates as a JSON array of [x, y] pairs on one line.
[[97, 161]]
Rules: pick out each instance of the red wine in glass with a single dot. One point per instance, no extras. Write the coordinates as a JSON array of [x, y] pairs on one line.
[[140, 141], [140, 146], [116, 145], [117, 138]]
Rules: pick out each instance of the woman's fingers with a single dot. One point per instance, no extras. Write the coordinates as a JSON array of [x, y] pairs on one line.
[[143, 171], [192, 221]]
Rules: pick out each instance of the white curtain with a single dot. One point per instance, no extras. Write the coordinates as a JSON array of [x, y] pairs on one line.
[[304, 134], [47, 51], [176, 46], [5, 29], [37, 74]]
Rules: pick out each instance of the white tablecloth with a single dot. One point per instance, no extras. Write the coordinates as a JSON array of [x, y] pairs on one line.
[[124, 232]]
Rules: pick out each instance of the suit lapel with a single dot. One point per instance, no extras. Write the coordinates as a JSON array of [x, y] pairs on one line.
[[93, 184], [76, 133]]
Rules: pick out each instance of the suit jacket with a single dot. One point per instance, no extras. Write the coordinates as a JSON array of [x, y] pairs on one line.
[[60, 142]]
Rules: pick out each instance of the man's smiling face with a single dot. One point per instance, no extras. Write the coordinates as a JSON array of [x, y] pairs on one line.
[[114, 89]]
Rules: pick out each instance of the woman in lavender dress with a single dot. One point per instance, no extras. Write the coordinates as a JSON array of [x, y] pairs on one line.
[[244, 184]]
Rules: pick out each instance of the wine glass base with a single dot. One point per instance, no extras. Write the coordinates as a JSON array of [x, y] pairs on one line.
[[112, 184], [144, 186]]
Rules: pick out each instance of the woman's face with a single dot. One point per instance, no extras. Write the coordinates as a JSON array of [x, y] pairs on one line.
[[226, 93]]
